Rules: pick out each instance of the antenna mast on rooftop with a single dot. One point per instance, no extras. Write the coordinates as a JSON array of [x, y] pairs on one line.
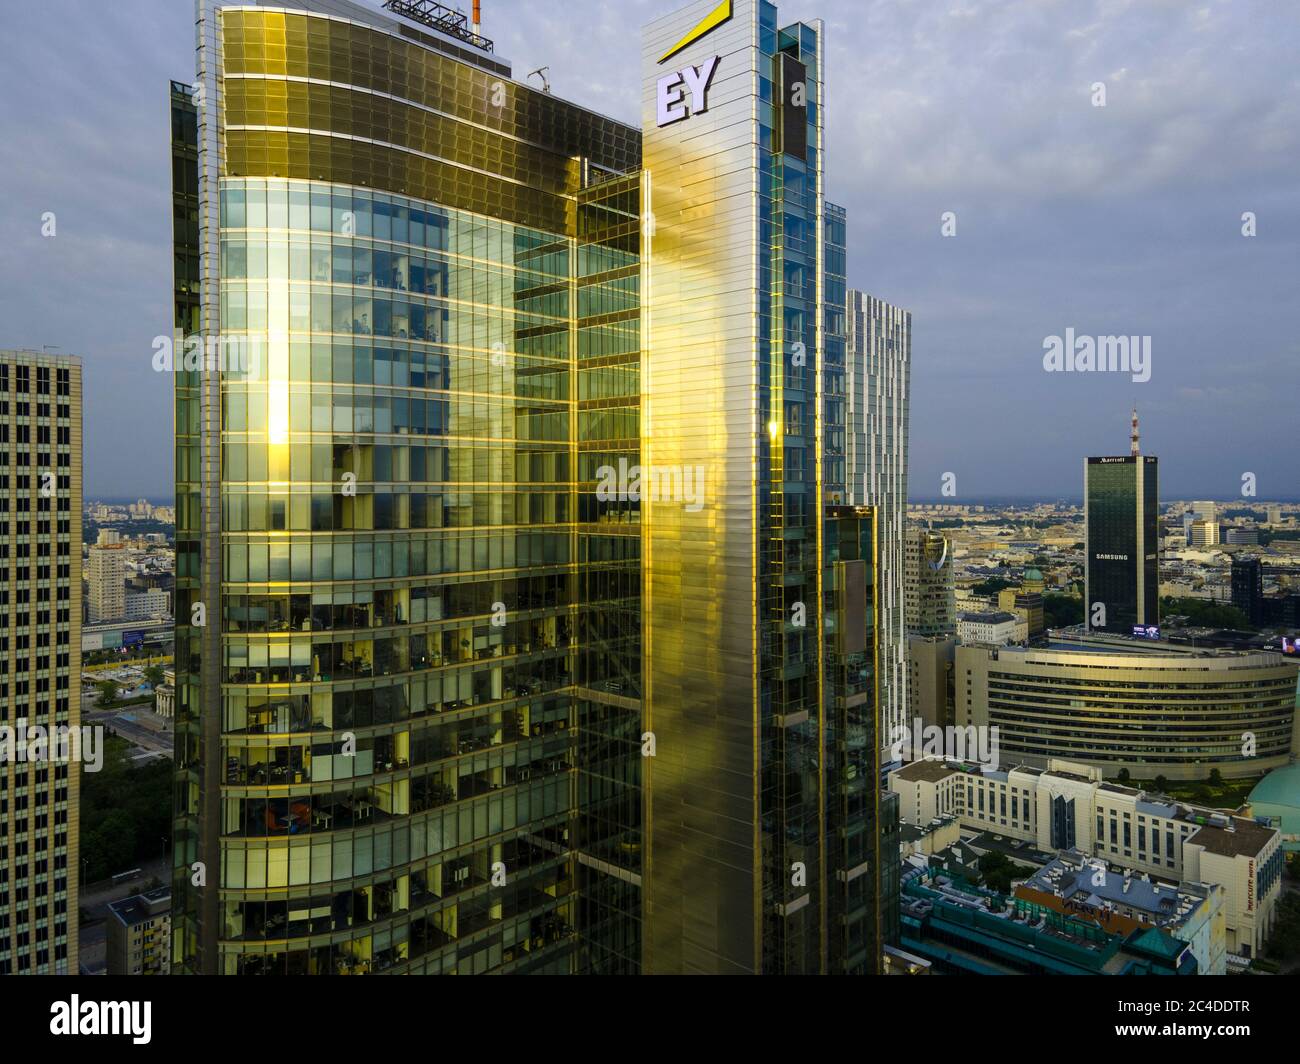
[[443, 19]]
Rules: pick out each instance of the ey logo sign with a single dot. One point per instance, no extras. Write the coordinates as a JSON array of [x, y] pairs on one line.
[[672, 104]]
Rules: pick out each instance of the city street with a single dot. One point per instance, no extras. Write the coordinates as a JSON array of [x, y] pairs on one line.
[[95, 900], [137, 724]]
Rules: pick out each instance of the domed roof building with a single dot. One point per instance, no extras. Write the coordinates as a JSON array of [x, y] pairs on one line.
[[1278, 794]]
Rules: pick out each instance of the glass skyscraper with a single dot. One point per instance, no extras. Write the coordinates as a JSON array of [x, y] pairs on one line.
[[1122, 558], [439, 687], [761, 840]]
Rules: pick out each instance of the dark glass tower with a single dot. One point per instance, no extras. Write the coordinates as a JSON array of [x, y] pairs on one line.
[[1248, 588], [1122, 560]]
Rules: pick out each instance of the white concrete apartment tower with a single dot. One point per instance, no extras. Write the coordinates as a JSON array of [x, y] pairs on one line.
[[106, 583], [879, 378]]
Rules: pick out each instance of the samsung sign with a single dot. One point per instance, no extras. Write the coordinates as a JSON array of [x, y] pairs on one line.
[[685, 92]]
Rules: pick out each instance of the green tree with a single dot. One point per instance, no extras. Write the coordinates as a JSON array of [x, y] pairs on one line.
[[1216, 778], [154, 675], [107, 691], [1204, 613], [125, 812], [1125, 775], [1162, 784], [109, 846], [998, 870], [1284, 943], [1061, 611]]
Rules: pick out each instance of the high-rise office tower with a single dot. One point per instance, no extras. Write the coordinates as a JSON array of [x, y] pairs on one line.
[[879, 372], [835, 360], [40, 661], [929, 590], [1122, 526], [761, 832], [407, 671], [513, 634], [1201, 524], [105, 583], [1248, 588]]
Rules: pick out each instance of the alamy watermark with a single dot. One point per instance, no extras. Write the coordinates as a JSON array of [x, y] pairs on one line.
[[632, 483], [60, 745], [1098, 354], [77, 1017], [233, 353], [970, 744]]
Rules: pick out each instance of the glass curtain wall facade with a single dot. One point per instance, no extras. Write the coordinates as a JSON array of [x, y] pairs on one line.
[[856, 828], [836, 403], [755, 708], [607, 551], [394, 725], [929, 602], [1122, 562], [446, 703]]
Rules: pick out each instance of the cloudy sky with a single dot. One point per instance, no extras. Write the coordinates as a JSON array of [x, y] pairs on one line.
[[1123, 219]]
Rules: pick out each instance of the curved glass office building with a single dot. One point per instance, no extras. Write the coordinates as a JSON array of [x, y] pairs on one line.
[[408, 257], [423, 582]]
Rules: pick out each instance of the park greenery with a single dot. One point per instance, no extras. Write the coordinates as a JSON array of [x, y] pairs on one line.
[[998, 870], [1284, 942], [1205, 613], [1062, 611], [125, 812]]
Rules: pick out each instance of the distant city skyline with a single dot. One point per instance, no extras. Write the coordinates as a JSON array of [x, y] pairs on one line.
[[169, 499], [1124, 218]]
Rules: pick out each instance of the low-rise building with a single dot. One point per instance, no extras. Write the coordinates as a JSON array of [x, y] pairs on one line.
[[144, 605], [928, 838], [996, 628], [1247, 857], [1123, 901], [1070, 806], [139, 934], [966, 930]]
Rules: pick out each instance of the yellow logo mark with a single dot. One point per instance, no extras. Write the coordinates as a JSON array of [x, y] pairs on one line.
[[711, 21]]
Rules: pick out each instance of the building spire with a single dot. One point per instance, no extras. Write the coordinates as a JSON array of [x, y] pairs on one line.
[[1134, 450]]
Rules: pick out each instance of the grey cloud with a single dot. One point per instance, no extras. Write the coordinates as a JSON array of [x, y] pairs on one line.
[[1121, 219]]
